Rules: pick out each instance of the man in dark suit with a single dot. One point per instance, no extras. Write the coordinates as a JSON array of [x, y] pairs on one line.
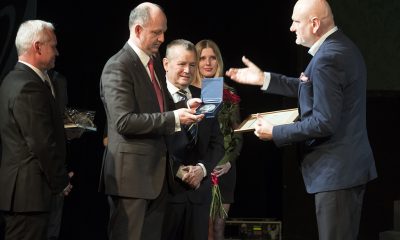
[[338, 160], [192, 162], [32, 168], [138, 119]]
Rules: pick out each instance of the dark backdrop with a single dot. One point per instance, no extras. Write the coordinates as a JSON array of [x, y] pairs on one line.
[[269, 184]]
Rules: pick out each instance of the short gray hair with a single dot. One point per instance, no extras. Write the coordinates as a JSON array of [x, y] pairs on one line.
[[31, 31], [187, 45]]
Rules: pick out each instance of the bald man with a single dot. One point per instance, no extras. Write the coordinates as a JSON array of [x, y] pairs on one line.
[[337, 161]]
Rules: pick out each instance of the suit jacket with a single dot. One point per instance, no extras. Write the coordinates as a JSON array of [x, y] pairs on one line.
[[33, 163], [208, 150], [134, 164], [332, 103]]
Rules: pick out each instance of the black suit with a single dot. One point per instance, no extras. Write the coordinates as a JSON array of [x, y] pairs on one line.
[[32, 168], [188, 209]]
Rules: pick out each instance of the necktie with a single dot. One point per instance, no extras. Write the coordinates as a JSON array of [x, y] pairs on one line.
[[157, 89], [192, 134], [48, 83], [191, 130], [182, 95]]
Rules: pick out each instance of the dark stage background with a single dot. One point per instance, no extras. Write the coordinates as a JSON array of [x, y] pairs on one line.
[[269, 184]]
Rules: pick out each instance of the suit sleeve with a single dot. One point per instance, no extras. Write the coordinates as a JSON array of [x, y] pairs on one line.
[[283, 85], [323, 94], [129, 102], [34, 115]]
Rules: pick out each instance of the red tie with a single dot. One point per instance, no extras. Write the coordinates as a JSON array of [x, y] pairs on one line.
[[155, 85]]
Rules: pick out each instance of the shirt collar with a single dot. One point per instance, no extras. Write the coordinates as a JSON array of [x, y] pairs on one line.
[[314, 48], [41, 74], [172, 89], [144, 58]]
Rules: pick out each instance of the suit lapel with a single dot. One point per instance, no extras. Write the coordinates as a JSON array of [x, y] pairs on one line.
[[160, 72], [137, 65]]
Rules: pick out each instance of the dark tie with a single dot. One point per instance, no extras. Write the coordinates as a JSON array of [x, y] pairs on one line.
[[48, 83], [182, 94], [155, 84], [192, 134], [191, 130]]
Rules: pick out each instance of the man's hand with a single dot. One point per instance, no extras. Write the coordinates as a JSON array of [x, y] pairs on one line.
[[251, 75], [69, 187], [188, 116], [194, 103], [182, 170], [263, 129], [194, 176]]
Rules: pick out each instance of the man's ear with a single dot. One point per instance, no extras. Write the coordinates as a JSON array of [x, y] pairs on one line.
[[36, 47], [316, 23], [137, 29], [165, 64]]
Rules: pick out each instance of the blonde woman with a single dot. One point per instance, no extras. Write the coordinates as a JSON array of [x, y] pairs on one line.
[[211, 65]]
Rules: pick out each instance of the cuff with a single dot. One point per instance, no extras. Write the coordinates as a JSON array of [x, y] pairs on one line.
[[204, 169], [177, 122], [267, 79]]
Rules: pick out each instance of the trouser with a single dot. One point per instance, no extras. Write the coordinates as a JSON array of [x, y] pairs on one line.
[[338, 213], [26, 226], [135, 218], [57, 203]]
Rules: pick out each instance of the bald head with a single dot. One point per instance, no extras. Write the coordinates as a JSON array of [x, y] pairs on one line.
[[311, 20], [319, 9], [143, 13], [147, 25]]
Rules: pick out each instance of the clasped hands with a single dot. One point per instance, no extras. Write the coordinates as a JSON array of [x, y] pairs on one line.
[[187, 116], [191, 175]]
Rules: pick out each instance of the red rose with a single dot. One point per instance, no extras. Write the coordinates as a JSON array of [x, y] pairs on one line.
[[230, 97]]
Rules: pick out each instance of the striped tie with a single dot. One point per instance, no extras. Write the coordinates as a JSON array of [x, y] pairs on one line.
[[182, 94], [191, 130]]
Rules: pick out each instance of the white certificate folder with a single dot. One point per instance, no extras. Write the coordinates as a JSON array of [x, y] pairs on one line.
[[280, 117]]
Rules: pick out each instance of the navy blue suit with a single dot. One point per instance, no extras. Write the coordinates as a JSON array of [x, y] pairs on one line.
[[332, 105], [338, 159]]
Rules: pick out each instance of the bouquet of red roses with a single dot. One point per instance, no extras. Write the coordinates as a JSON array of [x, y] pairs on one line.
[[230, 105], [230, 97], [216, 203]]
